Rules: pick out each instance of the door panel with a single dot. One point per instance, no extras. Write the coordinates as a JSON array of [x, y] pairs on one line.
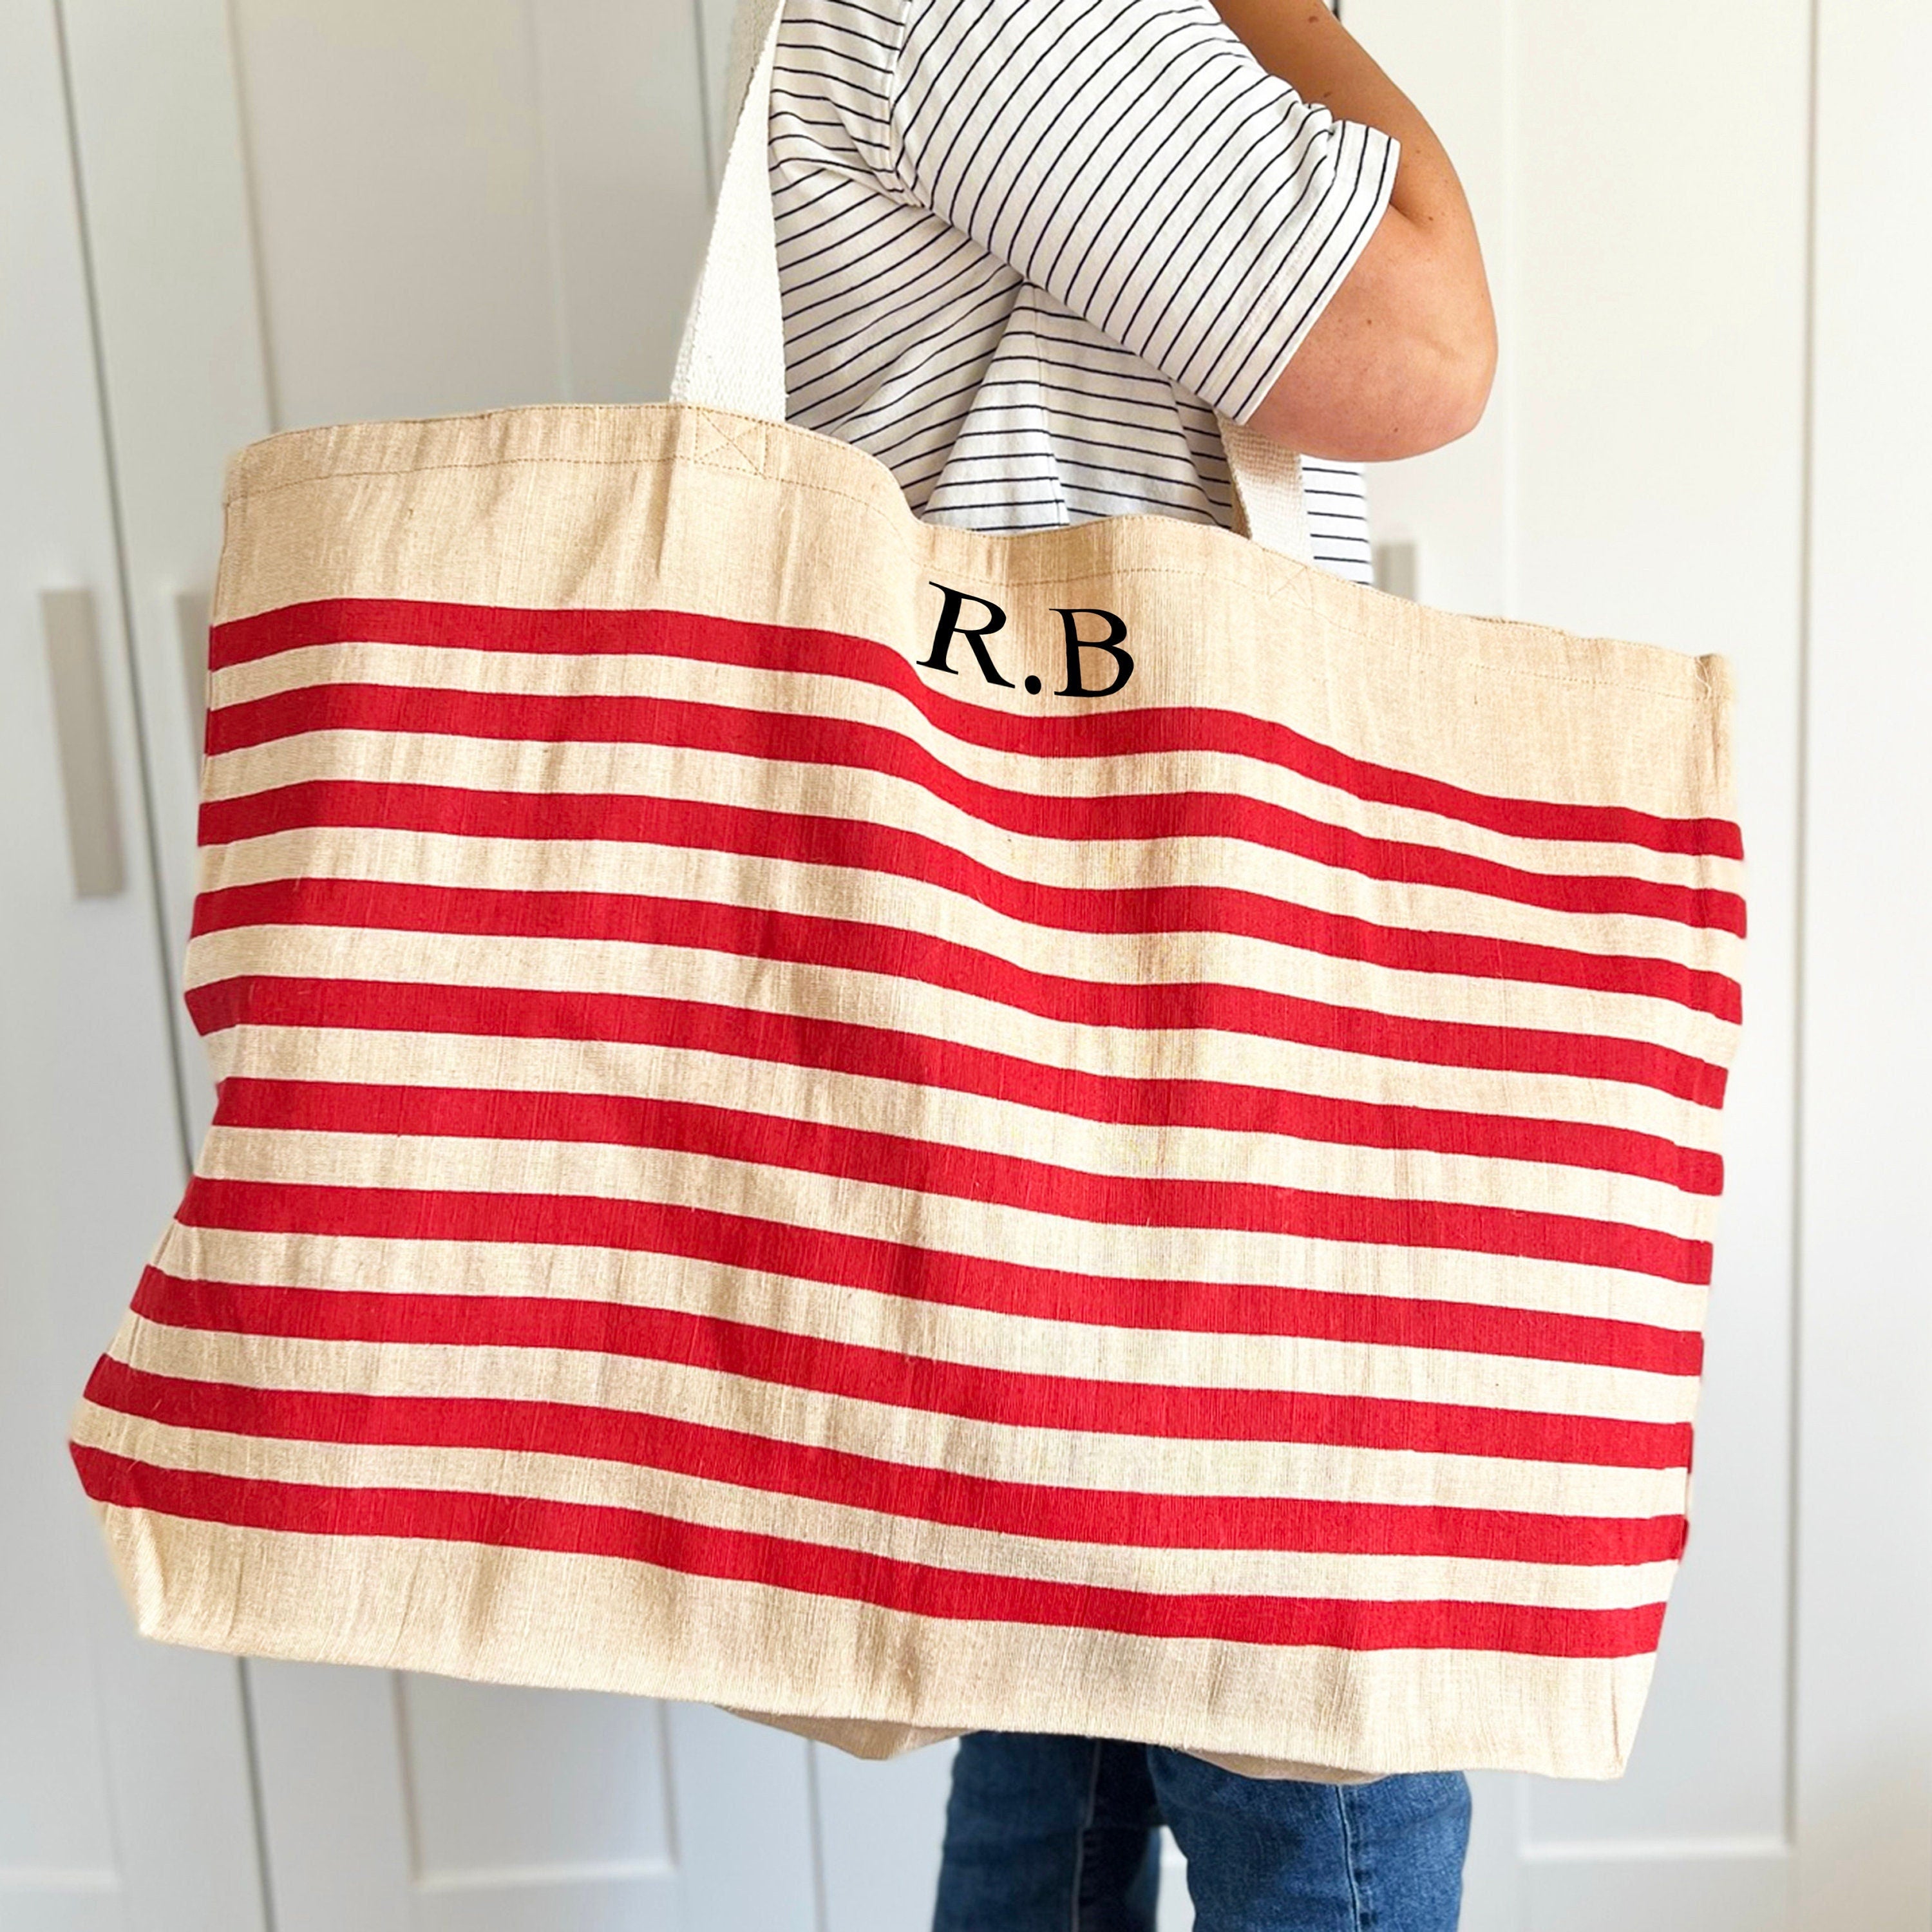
[[1659, 446], [467, 204], [1640, 474], [584, 1793], [125, 1797], [404, 1803], [1863, 1802], [743, 1804], [157, 143], [880, 1828]]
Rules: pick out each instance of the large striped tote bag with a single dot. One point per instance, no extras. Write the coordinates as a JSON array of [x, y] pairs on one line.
[[905, 1130]]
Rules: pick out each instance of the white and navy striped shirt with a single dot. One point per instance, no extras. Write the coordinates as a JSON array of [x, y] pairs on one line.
[[1027, 247]]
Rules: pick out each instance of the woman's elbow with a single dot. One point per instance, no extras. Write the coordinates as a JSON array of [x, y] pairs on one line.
[[1400, 363], [1392, 393], [1447, 393]]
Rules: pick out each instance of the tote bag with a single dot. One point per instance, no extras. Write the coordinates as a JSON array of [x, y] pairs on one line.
[[907, 1130]]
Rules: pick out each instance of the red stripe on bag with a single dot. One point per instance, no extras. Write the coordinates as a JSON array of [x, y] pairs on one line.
[[1144, 1519], [604, 719], [868, 1156], [1118, 731], [882, 1053], [853, 946], [876, 1266], [637, 1536], [823, 741], [879, 1267], [1084, 1404]]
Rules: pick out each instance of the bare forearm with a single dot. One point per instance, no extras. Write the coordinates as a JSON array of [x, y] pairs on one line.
[[1401, 359]]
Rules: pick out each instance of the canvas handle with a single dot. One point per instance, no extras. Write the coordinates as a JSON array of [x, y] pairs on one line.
[[732, 353]]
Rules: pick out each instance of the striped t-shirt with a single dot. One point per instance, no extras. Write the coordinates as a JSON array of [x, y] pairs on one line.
[[1027, 247]]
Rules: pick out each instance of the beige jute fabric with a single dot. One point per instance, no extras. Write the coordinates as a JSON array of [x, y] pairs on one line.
[[907, 1130]]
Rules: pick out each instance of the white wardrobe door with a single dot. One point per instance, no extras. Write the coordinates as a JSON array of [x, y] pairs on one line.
[[123, 1781], [157, 145], [396, 1802], [1640, 473], [1864, 1603], [468, 204], [879, 1831]]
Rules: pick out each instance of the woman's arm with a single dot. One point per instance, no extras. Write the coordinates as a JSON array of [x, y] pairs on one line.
[[1401, 360]]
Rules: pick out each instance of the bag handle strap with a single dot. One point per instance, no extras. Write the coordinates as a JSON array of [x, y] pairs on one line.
[[731, 356]]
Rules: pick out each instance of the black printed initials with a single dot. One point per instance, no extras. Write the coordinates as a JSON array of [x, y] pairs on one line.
[[953, 609], [1124, 664], [950, 627]]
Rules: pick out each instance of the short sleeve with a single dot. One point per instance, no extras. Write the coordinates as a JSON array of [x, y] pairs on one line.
[[1132, 158]]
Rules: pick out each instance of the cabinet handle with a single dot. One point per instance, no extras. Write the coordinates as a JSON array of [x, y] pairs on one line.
[[86, 749], [191, 613]]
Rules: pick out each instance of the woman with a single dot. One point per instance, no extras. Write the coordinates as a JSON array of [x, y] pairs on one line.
[[1028, 249]]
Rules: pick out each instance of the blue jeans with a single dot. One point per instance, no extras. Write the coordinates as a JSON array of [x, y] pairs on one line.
[[1057, 1834]]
